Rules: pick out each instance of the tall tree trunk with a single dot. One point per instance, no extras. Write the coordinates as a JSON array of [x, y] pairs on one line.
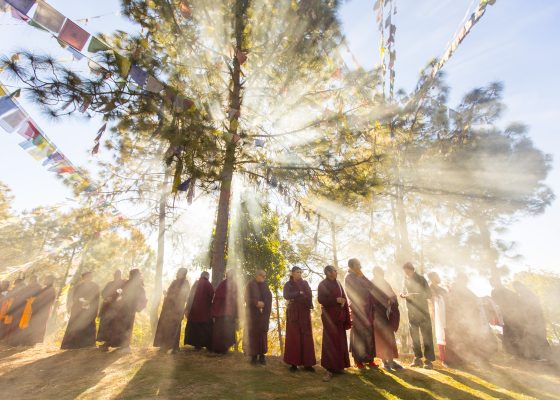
[[334, 249], [220, 242], [488, 254], [156, 295], [404, 248], [279, 325]]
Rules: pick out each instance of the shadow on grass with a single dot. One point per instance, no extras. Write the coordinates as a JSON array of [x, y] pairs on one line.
[[63, 375], [193, 375]]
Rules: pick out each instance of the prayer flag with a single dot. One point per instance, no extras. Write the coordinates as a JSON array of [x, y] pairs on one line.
[[23, 6], [2, 91], [53, 158], [184, 186], [74, 35], [95, 149], [96, 45], [48, 17], [100, 132], [388, 22], [40, 153], [17, 15], [65, 169], [36, 25], [153, 85], [138, 75], [75, 53], [377, 5], [6, 105], [26, 144], [123, 64], [259, 143], [11, 117], [28, 131]]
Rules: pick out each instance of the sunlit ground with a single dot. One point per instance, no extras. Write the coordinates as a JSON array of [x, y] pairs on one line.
[[47, 373]]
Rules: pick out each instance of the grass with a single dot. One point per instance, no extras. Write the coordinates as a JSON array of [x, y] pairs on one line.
[[47, 373]]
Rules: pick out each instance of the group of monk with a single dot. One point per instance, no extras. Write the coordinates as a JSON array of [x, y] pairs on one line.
[[25, 310], [368, 308]]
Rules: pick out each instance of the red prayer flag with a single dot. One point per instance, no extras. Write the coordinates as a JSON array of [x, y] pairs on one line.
[[29, 131], [74, 35]]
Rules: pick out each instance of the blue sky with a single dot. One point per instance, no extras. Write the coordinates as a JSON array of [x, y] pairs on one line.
[[515, 42]]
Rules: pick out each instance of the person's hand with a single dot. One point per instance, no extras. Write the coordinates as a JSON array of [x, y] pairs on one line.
[[403, 296], [260, 304], [341, 300], [301, 292]]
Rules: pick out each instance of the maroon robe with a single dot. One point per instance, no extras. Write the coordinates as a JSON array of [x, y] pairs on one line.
[[336, 320], [107, 312], [168, 329], [80, 331], [198, 331], [386, 320], [16, 300], [299, 347], [224, 312], [258, 320], [362, 308], [133, 300], [42, 307], [21, 331]]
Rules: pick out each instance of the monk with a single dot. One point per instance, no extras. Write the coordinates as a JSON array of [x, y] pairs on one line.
[[258, 305], [509, 304], [198, 332], [42, 307], [534, 343], [22, 335], [168, 330], [417, 293], [111, 294], [335, 316], [80, 332], [439, 301], [5, 303], [299, 348], [133, 300], [18, 301], [469, 337], [224, 313], [362, 307], [386, 321]]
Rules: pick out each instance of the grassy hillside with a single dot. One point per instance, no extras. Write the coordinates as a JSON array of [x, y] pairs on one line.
[[47, 373]]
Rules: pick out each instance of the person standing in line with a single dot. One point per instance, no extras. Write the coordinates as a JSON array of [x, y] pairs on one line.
[[439, 295], [299, 348], [417, 293], [198, 331], [258, 305], [335, 316]]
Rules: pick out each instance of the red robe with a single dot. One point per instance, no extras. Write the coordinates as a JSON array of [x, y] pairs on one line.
[[362, 343], [299, 348], [257, 323], [224, 312], [386, 321], [198, 331], [336, 320], [168, 329]]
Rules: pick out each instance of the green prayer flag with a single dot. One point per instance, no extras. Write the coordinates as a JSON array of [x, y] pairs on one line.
[[123, 64], [96, 45], [36, 25]]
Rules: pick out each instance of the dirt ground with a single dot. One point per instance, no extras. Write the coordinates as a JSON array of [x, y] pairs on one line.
[[45, 372]]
